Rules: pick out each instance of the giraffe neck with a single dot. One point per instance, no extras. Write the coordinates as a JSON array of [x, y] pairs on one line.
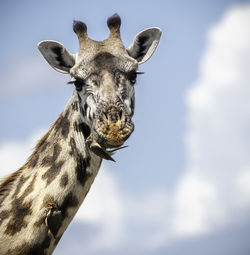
[[60, 171]]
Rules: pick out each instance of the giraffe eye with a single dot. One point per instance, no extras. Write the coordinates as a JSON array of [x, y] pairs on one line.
[[78, 84], [132, 77]]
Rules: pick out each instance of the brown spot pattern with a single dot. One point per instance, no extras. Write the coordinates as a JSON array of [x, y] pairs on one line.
[[19, 210], [81, 163], [54, 167], [28, 249], [75, 106], [82, 127], [64, 180], [18, 213], [40, 147], [33, 160], [7, 183], [70, 201], [21, 181], [3, 216], [40, 222], [62, 124]]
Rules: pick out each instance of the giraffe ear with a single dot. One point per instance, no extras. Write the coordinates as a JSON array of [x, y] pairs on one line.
[[57, 55], [144, 44]]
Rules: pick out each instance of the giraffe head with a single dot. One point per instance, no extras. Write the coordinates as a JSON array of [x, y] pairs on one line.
[[104, 74]]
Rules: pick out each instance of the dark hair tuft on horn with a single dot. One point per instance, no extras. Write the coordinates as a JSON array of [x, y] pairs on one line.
[[114, 21], [79, 27]]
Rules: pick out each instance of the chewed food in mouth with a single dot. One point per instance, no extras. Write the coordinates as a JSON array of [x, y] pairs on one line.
[[99, 150], [112, 128]]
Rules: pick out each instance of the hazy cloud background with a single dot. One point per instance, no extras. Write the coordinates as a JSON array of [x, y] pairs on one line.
[[183, 185]]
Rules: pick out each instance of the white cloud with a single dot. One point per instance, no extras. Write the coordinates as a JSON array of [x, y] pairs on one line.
[[28, 74], [195, 202], [217, 139], [242, 183]]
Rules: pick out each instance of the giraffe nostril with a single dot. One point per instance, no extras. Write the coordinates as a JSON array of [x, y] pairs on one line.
[[113, 115], [120, 114]]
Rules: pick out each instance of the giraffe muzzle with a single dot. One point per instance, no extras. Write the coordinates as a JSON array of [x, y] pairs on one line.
[[113, 127]]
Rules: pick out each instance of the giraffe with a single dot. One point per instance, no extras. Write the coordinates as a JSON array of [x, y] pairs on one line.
[[38, 201]]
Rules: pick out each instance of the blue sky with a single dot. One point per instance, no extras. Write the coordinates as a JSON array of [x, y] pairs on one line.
[[186, 174]]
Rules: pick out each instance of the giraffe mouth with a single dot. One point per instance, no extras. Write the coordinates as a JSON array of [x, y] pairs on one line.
[[112, 127], [112, 135]]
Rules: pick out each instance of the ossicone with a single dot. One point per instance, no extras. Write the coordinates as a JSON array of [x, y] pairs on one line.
[[79, 28], [114, 23]]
